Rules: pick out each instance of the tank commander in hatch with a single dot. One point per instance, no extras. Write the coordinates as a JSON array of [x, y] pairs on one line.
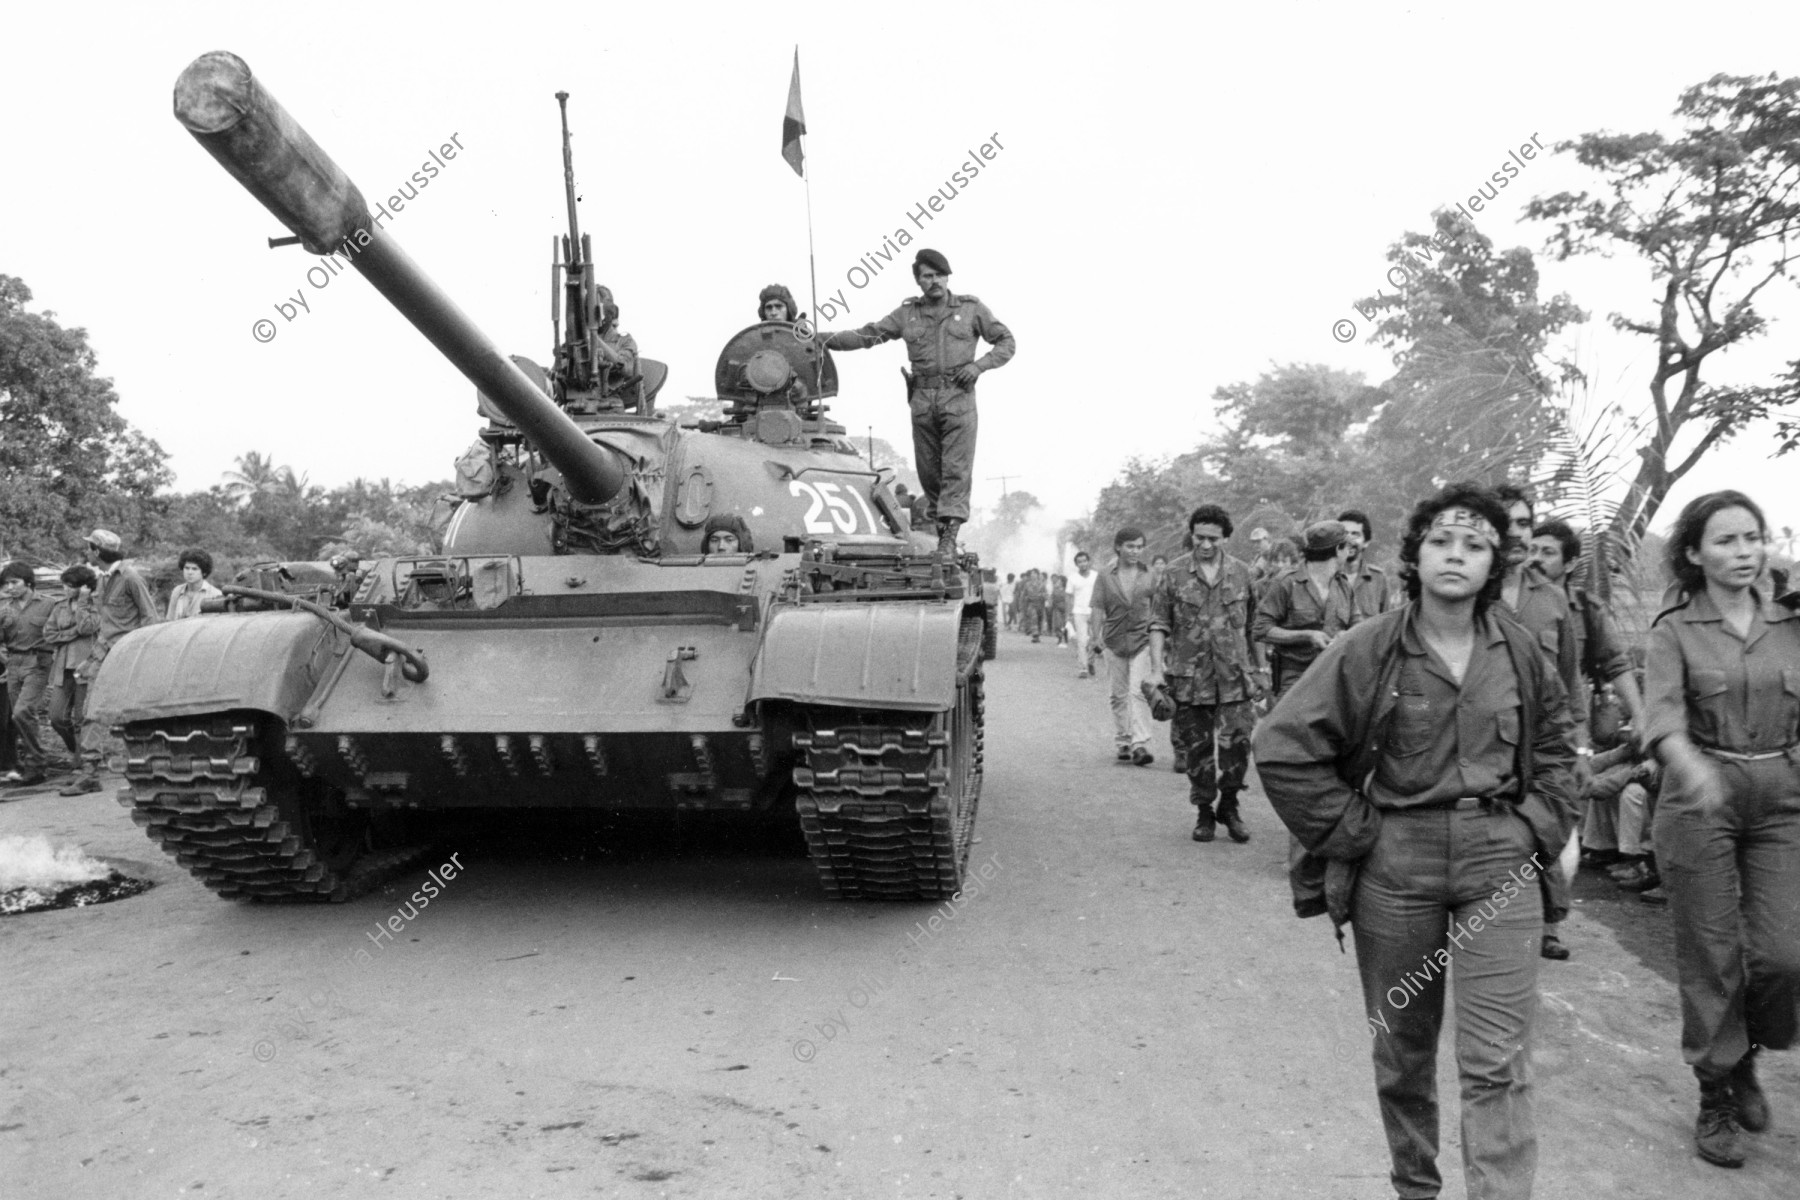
[[617, 349], [776, 303], [941, 330]]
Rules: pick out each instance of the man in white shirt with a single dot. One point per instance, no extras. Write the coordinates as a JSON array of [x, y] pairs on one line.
[[1081, 610]]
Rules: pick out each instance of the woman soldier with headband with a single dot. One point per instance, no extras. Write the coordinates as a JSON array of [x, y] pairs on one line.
[[1425, 818], [1722, 712]]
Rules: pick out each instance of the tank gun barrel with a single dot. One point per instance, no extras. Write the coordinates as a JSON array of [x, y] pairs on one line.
[[240, 124]]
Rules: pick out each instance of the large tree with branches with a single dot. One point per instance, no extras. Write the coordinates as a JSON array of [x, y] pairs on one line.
[[1716, 212], [68, 460]]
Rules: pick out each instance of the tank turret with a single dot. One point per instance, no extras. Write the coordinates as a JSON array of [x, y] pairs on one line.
[[240, 124]]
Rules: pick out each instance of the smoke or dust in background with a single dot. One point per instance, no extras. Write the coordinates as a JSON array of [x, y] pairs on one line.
[[32, 862], [1035, 538]]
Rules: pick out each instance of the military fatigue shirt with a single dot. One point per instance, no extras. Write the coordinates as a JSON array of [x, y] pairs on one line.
[[1545, 613], [22, 623], [1727, 692], [124, 603], [70, 628], [1372, 591], [1124, 610], [1448, 739], [1209, 652], [939, 338], [1316, 749], [1289, 602]]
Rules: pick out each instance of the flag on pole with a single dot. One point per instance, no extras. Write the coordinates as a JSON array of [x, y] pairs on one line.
[[793, 124]]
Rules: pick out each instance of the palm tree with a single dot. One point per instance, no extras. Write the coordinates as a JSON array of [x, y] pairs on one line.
[[256, 475]]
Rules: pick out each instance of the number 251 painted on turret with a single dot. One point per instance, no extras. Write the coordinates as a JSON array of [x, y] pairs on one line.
[[827, 510]]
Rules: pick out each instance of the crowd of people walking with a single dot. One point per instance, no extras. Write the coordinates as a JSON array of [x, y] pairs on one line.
[[1441, 745]]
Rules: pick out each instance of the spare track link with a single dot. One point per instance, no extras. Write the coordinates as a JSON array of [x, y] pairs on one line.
[[877, 802], [198, 788]]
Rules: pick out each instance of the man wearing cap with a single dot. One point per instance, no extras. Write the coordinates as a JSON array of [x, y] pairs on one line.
[[1300, 612], [942, 330], [22, 616], [124, 604]]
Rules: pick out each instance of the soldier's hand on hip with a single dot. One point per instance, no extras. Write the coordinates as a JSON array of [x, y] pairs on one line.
[[967, 374]]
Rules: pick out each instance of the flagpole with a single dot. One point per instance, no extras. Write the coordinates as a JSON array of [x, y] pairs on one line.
[[812, 269], [793, 129]]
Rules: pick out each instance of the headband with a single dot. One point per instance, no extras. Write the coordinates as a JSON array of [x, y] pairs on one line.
[[1457, 517]]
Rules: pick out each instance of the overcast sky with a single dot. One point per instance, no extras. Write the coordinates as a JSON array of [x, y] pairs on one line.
[[1182, 197]]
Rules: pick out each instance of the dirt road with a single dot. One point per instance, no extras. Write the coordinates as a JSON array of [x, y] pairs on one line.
[[1115, 1011]]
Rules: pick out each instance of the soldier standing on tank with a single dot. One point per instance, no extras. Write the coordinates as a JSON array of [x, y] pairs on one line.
[[942, 330]]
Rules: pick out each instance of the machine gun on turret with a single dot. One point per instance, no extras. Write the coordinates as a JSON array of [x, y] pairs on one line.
[[596, 367]]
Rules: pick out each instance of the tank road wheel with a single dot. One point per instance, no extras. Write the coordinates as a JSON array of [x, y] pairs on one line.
[[888, 806], [217, 793]]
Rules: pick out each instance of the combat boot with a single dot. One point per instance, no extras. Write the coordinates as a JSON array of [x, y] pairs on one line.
[[1234, 824], [946, 547], [1716, 1132], [1752, 1105], [1203, 823]]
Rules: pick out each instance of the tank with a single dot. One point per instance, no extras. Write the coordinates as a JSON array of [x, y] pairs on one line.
[[574, 646]]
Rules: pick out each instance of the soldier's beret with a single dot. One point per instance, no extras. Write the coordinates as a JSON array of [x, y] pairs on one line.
[[1324, 535], [932, 259]]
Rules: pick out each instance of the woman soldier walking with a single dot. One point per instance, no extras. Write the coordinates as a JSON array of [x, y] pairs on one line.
[[1425, 765], [1722, 712]]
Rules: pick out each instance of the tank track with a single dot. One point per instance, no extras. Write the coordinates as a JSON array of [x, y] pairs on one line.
[[888, 808], [201, 790]]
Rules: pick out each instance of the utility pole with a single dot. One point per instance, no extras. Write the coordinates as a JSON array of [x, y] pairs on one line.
[[1003, 481]]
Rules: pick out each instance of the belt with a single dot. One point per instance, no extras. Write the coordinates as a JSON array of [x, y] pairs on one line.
[[1762, 756], [1461, 804], [940, 380]]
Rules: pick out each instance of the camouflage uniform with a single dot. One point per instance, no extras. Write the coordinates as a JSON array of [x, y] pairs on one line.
[[939, 340], [1208, 661]]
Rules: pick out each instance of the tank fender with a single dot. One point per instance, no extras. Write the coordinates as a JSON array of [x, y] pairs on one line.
[[881, 655], [269, 662]]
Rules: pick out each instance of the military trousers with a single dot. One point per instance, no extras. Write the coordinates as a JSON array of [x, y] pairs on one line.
[[68, 705], [1452, 885], [1733, 881], [943, 426], [1216, 740], [27, 678]]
